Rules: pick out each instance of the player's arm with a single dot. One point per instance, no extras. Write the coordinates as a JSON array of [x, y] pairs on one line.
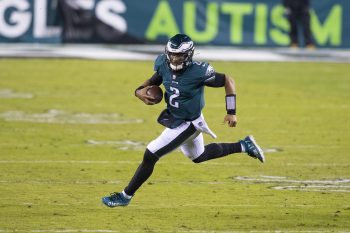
[[141, 91], [222, 80], [230, 89]]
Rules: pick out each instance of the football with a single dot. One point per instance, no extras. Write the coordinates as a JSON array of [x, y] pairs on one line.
[[156, 92]]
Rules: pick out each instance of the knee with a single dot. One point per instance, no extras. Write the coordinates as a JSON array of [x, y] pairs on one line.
[[198, 160], [150, 157]]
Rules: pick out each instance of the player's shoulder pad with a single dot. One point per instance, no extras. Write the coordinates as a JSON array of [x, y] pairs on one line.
[[159, 61], [201, 66], [204, 69], [209, 70]]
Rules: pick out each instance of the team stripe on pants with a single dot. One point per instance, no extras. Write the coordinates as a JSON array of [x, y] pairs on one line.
[[170, 139]]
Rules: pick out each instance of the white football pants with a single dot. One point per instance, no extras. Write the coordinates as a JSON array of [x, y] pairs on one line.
[[188, 136]]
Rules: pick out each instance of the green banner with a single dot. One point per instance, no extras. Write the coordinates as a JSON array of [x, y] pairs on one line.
[[260, 23]]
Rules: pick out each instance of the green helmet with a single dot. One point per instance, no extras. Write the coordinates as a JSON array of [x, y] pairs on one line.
[[179, 52]]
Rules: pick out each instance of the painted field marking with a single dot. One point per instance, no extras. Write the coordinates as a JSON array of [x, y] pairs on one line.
[[61, 230], [54, 116], [52, 182], [157, 230], [104, 162], [315, 188], [337, 185], [95, 182], [332, 187], [161, 206], [160, 162], [62, 161], [277, 179], [121, 145], [271, 150], [309, 146], [319, 164], [11, 94]]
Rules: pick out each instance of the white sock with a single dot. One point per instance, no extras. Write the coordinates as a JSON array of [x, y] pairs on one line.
[[242, 147], [126, 195]]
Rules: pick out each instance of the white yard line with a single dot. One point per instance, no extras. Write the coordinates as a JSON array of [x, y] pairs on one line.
[[336, 185], [54, 116], [104, 162], [11, 94], [52, 182], [159, 230], [285, 180], [314, 188], [278, 182], [160, 162]]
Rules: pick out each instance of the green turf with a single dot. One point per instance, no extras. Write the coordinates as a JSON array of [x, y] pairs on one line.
[[52, 180]]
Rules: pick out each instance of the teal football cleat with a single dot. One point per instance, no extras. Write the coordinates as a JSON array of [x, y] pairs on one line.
[[253, 149], [115, 199]]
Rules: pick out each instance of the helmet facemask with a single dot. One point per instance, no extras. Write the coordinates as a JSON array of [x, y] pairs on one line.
[[179, 51], [178, 61]]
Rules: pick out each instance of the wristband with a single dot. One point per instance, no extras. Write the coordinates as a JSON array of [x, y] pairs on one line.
[[139, 88], [231, 104]]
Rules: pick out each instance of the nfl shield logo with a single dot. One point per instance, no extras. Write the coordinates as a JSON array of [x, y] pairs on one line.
[[174, 76]]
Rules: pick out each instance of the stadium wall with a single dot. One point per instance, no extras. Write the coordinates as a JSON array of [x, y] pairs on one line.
[[257, 23]]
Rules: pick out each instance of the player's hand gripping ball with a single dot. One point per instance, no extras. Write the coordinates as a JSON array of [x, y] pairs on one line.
[[156, 93]]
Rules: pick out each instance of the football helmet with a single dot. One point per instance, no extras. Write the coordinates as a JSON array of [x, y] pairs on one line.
[[179, 52]]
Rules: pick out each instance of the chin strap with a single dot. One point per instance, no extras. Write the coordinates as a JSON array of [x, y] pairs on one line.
[[179, 67]]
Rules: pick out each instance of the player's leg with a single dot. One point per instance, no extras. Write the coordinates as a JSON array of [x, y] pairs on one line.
[[169, 140], [143, 172], [194, 149], [218, 150]]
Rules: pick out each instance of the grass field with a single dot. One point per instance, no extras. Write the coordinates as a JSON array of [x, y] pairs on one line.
[[71, 132]]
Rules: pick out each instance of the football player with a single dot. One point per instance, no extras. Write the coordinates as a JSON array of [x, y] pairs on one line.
[[184, 81]]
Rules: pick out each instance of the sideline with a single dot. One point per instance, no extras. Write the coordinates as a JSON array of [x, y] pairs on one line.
[[149, 52]]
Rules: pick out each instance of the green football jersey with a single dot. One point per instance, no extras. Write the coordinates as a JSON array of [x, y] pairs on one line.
[[184, 91]]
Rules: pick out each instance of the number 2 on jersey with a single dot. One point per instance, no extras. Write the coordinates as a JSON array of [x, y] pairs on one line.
[[172, 102]]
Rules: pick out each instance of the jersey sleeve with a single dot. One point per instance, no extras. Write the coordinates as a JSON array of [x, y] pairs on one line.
[[210, 77], [216, 80], [207, 72], [202, 71], [158, 62]]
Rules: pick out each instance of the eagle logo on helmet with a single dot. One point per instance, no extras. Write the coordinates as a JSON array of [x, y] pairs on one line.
[[179, 52]]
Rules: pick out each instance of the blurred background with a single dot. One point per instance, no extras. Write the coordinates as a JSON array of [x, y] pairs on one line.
[[133, 30]]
